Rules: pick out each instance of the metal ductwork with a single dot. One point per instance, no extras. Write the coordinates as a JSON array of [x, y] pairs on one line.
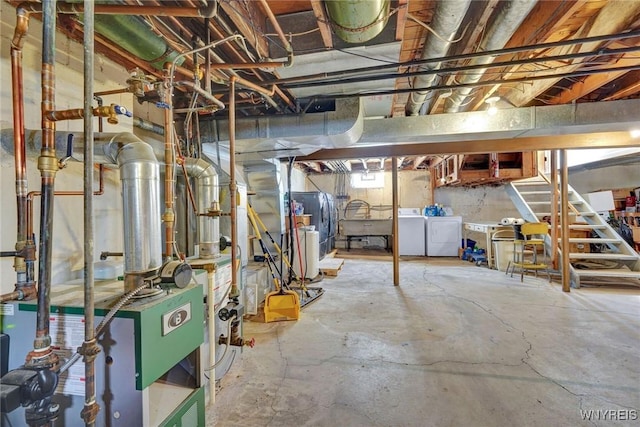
[[283, 136], [357, 21], [507, 20], [140, 178], [207, 193], [543, 121], [445, 22]]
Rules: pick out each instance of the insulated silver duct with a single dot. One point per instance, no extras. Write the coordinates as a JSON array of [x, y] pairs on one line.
[[207, 192], [498, 34], [446, 21], [140, 177]]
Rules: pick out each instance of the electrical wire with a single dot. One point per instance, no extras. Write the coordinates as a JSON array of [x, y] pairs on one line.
[[104, 323], [432, 31], [303, 33]]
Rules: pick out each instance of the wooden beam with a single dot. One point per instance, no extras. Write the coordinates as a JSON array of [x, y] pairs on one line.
[[613, 18], [550, 142], [418, 161], [593, 82], [626, 86], [402, 18], [323, 23], [564, 220], [542, 25], [394, 223], [248, 16]]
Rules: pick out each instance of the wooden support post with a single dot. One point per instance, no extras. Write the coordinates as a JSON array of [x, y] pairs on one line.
[[396, 254], [564, 209], [555, 223]]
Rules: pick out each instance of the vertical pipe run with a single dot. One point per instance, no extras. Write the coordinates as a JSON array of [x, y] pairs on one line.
[[396, 252], [211, 311], [564, 209], [24, 268], [90, 406], [48, 166], [234, 293], [169, 160], [555, 223]]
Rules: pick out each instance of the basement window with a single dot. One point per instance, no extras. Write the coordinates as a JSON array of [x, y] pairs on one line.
[[367, 180]]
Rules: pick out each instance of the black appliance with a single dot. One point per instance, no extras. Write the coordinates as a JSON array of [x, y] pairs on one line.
[[324, 216]]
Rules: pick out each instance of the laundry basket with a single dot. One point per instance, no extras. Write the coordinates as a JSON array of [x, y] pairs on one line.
[[503, 248]]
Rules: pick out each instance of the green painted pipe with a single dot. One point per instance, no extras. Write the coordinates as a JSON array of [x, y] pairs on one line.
[[133, 35], [358, 21]]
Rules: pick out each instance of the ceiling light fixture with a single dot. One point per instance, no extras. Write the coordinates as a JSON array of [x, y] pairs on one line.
[[635, 133], [492, 110]]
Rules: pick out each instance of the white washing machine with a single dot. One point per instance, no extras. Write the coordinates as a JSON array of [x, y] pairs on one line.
[[411, 232], [443, 235]]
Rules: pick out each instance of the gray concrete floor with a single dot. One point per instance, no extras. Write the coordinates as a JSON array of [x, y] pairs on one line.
[[454, 345]]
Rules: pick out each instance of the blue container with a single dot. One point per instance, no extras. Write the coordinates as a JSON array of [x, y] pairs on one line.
[[470, 244], [430, 211]]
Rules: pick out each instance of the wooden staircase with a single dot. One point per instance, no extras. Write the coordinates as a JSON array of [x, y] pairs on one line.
[[615, 261]]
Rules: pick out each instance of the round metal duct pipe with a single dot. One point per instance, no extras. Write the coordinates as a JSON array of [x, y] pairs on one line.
[[358, 21]]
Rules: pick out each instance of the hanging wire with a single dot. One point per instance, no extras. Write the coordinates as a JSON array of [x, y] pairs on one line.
[[432, 31]]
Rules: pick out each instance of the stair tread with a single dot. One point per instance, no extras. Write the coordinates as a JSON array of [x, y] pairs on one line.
[[593, 240], [608, 272], [587, 227], [530, 182], [589, 255], [528, 193]]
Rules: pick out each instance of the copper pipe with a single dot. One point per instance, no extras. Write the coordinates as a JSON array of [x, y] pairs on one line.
[[247, 65], [89, 348], [117, 9], [78, 113], [168, 216], [48, 166], [284, 97], [112, 92], [25, 293], [253, 86], [33, 194], [276, 26], [234, 292], [24, 268]]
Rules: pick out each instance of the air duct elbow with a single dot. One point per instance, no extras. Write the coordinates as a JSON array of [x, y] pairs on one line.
[[140, 178], [207, 192]]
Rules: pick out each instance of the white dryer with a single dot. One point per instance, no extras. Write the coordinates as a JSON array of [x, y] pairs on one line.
[[411, 232], [443, 235]]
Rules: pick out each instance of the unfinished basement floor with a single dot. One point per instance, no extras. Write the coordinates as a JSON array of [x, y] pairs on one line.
[[453, 345]]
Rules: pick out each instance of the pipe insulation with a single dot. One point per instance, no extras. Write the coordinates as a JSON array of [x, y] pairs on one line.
[[358, 21], [508, 19], [445, 22], [132, 34]]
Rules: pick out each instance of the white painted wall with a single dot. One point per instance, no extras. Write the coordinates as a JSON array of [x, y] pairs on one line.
[[68, 235], [414, 191], [607, 178]]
